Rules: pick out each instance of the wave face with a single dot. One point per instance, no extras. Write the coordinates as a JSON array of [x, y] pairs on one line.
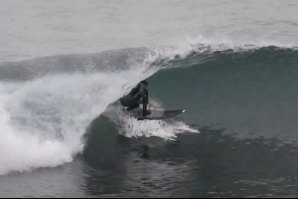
[[249, 91], [47, 104]]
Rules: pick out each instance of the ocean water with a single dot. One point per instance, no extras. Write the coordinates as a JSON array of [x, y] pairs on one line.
[[231, 64]]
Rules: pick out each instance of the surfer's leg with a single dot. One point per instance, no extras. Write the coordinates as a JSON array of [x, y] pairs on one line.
[[145, 103], [145, 111]]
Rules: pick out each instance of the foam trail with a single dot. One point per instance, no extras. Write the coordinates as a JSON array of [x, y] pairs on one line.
[[168, 131]]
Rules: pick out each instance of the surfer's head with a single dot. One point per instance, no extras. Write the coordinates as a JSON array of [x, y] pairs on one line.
[[144, 82]]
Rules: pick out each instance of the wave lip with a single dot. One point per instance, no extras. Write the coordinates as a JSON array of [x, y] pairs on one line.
[[203, 46]]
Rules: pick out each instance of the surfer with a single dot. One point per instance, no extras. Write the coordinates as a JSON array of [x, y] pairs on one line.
[[138, 95]]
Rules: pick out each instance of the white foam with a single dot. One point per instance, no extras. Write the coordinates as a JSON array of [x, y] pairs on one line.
[[147, 128]]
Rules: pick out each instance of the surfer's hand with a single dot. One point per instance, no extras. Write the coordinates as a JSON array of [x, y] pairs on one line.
[[153, 106]]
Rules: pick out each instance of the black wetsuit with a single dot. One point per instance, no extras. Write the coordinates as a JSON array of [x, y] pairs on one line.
[[136, 96]]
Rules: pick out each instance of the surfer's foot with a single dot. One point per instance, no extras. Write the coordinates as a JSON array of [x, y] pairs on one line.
[[145, 113]]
